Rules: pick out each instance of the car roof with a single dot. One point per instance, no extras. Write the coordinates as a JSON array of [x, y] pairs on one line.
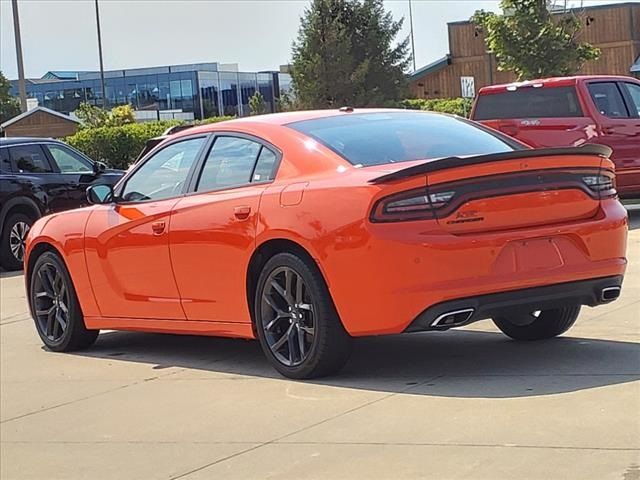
[[7, 142], [285, 118], [550, 82]]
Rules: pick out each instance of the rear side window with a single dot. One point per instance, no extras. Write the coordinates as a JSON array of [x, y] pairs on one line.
[[528, 102], [229, 163], [29, 159], [265, 167], [608, 99], [378, 138]]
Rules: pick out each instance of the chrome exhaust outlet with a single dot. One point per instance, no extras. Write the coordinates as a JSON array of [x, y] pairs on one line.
[[609, 294], [454, 318]]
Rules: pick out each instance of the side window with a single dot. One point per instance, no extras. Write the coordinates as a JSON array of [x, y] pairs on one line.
[[67, 160], [164, 174], [608, 99], [264, 170], [229, 163], [634, 93], [5, 161], [29, 159]]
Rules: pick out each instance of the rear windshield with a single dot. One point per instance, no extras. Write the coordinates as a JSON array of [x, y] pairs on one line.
[[377, 138], [529, 102]]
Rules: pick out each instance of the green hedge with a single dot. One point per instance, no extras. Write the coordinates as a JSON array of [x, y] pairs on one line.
[[119, 146], [455, 106]]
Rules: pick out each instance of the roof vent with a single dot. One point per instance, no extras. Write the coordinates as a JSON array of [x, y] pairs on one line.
[[346, 109]]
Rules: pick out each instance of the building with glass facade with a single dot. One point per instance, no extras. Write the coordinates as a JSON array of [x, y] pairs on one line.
[[186, 92]]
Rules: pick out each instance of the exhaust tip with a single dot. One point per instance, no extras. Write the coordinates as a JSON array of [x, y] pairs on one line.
[[609, 294], [454, 318]]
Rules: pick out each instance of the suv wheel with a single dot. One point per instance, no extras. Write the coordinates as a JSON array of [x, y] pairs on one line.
[[12, 242], [296, 322]]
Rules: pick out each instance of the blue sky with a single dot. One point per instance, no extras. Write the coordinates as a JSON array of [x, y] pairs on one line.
[[256, 34]]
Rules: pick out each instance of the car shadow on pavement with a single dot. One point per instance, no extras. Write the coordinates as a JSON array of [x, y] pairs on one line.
[[8, 274], [467, 364]]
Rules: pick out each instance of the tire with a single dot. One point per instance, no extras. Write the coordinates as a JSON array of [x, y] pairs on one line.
[[316, 342], [547, 324], [14, 231], [55, 308]]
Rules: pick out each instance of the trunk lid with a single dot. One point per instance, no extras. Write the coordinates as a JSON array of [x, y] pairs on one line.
[[508, 190]]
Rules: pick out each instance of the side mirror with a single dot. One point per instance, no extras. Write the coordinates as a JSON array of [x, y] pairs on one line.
[[99, 167], [99, 194]]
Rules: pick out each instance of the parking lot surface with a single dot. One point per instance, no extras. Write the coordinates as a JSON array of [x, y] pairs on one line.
[[465, 404]]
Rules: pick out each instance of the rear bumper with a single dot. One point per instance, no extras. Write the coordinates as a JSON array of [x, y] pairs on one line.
[[395, 272], [463, 311]]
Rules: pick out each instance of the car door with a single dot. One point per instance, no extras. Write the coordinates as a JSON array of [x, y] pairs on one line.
[[127, 243], [212, 231], [76, 172], [631, 179], [30, 163], [616, 125]]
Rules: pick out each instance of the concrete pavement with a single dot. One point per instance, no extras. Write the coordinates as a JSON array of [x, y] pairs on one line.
[[466, 404]]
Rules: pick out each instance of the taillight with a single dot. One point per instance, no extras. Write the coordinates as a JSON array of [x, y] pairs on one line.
[[603, 183], [411, 205]]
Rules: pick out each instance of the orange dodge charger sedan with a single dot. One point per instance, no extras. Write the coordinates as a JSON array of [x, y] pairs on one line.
[[307, 229]]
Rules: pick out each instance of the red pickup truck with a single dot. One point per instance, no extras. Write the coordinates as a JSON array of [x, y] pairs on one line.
[[571, 111]]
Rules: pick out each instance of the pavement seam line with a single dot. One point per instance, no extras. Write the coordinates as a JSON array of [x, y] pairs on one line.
[[254, 444], [278, 439]]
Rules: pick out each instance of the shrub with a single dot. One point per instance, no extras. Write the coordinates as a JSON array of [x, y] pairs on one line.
[[454, 106], [119, 146]]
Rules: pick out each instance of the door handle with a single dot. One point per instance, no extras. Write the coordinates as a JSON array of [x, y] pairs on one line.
[[242, 212], [158, 228]]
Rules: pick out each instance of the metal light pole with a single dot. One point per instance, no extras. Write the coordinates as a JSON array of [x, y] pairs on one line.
[[22, 88], [413, 46], [104, 91]]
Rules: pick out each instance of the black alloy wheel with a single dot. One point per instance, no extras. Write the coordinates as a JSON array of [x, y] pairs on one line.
[[55, 308], [296, 322], [287, 316], [51, 302]]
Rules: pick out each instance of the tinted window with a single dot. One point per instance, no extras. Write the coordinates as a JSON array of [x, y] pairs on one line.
[[264, 170], [378, 138], [164, 174], [229, 163], [529, 102], [68, 160], [29, 159], [608, 99], [634, 93]]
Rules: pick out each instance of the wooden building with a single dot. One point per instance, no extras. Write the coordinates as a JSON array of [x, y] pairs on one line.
[[39, 122], [615, 29]]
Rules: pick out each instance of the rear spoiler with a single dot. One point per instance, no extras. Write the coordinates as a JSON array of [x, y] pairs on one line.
[[452, 162]]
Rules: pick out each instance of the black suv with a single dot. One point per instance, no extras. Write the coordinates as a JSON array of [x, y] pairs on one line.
[[39, 176]]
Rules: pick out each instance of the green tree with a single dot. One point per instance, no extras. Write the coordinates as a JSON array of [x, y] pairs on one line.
[[531, 42], [257, 106], [346, 54], [9, 106], [92, 116]]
